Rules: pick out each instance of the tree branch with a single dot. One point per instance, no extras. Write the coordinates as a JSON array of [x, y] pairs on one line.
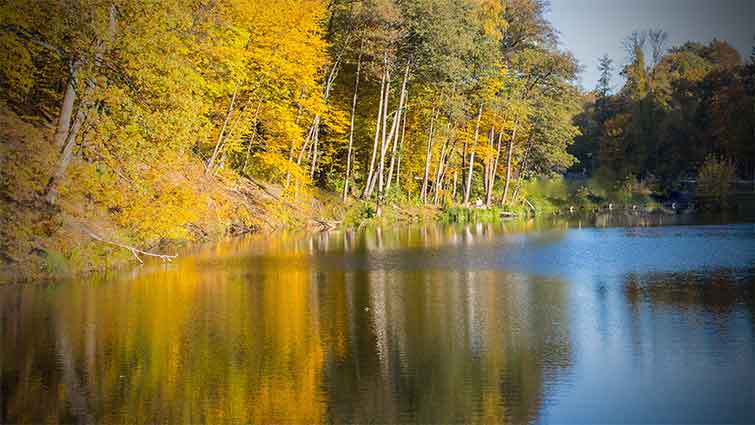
[[134, 251], [32, 38]]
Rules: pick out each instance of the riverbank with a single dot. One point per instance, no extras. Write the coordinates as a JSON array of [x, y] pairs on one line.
[[105, 225], [77, 247], [75, 237], [42, 242], [105, 218]]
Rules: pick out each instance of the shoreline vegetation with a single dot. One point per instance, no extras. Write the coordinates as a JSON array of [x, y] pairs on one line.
[[130, 127]]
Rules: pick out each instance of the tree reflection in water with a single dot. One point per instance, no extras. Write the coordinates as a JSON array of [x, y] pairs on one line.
[[414, 324]]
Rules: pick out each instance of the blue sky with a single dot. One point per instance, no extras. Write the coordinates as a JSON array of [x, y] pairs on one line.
[[591, 28]]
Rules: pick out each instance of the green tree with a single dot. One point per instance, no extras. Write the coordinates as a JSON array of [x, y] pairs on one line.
[[715, 178]]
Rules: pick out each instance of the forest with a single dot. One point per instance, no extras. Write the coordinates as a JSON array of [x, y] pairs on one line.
[[684, 114], [133, 123]]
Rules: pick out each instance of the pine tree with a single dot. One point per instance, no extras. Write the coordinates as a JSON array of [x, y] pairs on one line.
[[603, 90]]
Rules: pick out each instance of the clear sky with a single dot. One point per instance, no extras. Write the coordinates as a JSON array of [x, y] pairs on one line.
[[591, 28]]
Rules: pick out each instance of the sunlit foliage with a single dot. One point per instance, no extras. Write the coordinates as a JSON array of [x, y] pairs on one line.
[[153, 121]]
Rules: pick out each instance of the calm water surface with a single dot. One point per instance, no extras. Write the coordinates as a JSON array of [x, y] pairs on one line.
[[482, 323]]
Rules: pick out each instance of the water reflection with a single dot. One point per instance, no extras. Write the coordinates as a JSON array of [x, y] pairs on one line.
[[166, 347], [662, 347], [419, 324]]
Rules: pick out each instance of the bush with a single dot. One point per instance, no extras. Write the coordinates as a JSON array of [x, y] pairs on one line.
[[583, 197], [714, 180], [546, 194], [359, 212], [623, 190]]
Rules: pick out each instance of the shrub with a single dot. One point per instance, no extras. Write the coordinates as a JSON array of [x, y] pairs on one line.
[[714, 179], [359, 212], [623, 190], [546, 194], [582, 197]]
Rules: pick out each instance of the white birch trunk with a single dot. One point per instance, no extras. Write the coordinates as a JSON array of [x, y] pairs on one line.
[[351, 125], [508, 163], [428, 157], [368, 182], [468, 185]]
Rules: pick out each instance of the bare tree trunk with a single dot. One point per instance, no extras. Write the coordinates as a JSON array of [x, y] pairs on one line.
[[65, 158], [385, 138], [400, 113], [445, 151], [308, 150], [487, 164], [525, 164], [65, 136], [450, 149], [305, 145], [315, 147], [251, 139], [463, 167], [428, 156], [229, 136], [400, 149], [69, 143], [378, 167], [438, 186], [291, 148], [453, 195], [468, 185], [315, 130], [219, 143], [494, 171], [438, 172], [368, 182], [508, 163], [290, 160], [228, 113], [351, 125], [392, 162], [66, 110]]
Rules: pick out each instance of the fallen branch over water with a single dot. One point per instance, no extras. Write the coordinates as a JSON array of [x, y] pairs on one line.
[[135, 251], [531, 206], [326, 225]]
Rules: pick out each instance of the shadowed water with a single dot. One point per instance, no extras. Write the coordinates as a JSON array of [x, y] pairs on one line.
[[482, 323]]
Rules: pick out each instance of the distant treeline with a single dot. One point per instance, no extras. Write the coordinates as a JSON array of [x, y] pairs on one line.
[[682, 113]]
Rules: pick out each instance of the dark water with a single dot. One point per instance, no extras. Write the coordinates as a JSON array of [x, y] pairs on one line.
[[483, 323]]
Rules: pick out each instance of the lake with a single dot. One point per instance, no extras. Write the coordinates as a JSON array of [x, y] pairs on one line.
[[520, 322]]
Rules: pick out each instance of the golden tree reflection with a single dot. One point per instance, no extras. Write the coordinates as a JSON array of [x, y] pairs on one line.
[[337, 328]]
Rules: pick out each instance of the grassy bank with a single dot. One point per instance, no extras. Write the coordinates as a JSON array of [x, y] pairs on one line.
[[43, 242], [105, 218]]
